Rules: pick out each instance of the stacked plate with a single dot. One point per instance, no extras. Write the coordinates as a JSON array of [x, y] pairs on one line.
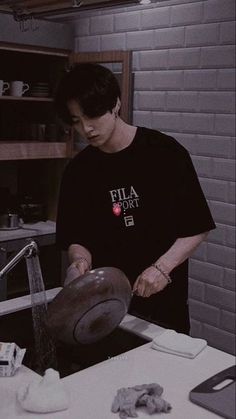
[[40, 89]]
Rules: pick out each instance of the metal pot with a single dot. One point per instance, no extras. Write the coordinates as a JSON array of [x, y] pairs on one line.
[[90, 307], [9, 221]]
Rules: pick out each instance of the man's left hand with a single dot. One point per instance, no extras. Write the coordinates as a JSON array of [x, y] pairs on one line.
[[149, 282]]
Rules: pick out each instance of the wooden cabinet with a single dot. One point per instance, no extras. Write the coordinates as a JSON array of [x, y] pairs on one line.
[[21, 118], [31, 136]]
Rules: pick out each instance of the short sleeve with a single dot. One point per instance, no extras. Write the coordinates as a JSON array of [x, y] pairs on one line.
[[192, 213]]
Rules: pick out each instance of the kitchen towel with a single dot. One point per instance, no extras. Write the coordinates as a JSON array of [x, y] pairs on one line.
[[45, 395], [178, 344]]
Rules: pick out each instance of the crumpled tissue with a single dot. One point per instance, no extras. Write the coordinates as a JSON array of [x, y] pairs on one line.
[[146, 395], [44, 396]]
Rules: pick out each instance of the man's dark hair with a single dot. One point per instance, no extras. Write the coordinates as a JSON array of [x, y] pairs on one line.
[[93, 86]]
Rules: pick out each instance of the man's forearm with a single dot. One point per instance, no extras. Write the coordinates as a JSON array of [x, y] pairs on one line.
[[181, 250]]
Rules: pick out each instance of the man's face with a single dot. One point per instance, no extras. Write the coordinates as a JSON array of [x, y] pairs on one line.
[[97, 131]]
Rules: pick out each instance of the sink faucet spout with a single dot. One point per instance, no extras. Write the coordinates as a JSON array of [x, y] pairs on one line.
[[30, 250]]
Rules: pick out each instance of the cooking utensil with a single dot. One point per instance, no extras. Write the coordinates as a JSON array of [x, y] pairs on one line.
[[217, 393], [9, 221], [90, 307]]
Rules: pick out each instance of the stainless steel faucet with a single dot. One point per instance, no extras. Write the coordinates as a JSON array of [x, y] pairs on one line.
[[30, 250]]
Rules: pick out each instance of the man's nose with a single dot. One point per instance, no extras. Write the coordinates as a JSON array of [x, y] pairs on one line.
[[87, 127]]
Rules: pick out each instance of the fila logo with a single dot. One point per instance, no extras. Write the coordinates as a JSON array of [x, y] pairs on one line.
[[129, 221]]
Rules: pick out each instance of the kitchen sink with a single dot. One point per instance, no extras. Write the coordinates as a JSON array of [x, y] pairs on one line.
[[18, 327]]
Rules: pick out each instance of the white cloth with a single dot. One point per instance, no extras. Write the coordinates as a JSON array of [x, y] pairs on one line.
[[44, 396], [178, 344]]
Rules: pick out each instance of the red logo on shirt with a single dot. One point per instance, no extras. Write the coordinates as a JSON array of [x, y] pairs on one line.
[[116, 209]]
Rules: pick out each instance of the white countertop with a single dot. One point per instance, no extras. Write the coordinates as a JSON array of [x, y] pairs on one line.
[[28, 230], [93, 390]]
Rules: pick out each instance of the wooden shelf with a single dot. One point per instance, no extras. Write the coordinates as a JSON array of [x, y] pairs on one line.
[[34, 49], [32, 150], [54, 62], [26, 98]]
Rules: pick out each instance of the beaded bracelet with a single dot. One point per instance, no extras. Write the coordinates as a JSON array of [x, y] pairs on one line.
[[165, 274]]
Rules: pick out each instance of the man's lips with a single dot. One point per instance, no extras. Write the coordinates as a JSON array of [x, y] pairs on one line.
[[92, 137]]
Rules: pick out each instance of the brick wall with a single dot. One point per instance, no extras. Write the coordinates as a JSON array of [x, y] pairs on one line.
[[183, 59]]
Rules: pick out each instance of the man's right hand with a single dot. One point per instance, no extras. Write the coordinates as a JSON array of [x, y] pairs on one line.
[[76, 269]]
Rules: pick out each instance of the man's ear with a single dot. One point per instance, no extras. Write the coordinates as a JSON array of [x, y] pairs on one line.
[[117, 106]]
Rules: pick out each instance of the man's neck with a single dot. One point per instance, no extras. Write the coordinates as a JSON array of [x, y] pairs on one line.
[[122, 137]]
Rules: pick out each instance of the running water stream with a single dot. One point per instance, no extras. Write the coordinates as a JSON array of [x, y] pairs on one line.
[[45, 349]]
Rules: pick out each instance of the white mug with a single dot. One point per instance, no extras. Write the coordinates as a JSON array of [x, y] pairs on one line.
[[18, 88], [3, 86]]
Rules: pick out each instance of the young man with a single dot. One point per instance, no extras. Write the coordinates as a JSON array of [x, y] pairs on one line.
[[131, 199]]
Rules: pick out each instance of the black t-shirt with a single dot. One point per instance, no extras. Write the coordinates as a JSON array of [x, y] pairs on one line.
[[127, 208]]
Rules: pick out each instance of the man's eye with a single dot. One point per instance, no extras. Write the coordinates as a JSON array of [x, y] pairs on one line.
[[75, 121]]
